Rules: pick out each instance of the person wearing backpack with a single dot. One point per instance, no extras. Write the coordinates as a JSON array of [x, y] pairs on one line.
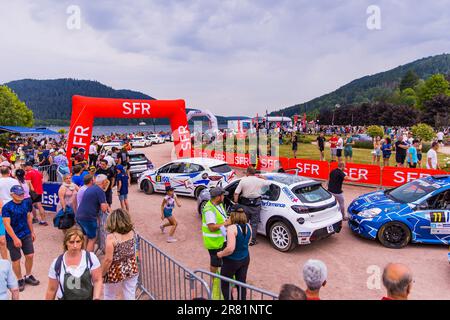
[[76, 274], [236, 257]]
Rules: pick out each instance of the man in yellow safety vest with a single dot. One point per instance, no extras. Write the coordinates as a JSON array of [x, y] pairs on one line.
[[214, 223]]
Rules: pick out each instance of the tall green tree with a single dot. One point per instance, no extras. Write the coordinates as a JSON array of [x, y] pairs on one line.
[[434, 86], [409, 80], [13, 111]]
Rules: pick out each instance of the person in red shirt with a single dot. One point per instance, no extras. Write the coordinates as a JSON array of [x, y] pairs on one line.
[[36, 179], [333, 144], [315, 276], [398, 280]]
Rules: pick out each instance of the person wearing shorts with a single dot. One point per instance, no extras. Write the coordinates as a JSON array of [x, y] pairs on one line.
[[167, 207], [36, 179], [400, 151], [348, 148], [123, 181], [333, 142], [18, 223], [92, 203]]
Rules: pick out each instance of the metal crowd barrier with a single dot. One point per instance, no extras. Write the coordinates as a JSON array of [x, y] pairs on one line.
[[49, 173], [163, 278], [236, 288]]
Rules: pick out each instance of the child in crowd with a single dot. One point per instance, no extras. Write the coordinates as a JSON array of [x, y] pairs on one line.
[[123, 181], [167, 207]]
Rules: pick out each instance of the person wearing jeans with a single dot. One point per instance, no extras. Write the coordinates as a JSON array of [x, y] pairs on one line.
[[236, 257], [335, 181]]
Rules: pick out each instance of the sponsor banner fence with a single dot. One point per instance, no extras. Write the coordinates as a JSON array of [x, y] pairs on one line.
[[50, 196], [393, 176], [367, 174], [370, 175], [310, 168]]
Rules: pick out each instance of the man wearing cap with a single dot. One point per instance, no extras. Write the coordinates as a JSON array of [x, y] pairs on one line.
[[248, 195], [20, 236], [214, 222]]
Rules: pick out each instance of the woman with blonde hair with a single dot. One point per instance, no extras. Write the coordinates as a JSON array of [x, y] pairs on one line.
[[236, 257], [67, 194], [76, 274], [120, 269]]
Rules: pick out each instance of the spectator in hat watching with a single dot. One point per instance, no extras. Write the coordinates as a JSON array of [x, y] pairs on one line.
[[397, 279], [214, 223], [20, 236], [315, 277]]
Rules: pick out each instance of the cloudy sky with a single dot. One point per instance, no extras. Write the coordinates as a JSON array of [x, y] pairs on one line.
[[233, 57]]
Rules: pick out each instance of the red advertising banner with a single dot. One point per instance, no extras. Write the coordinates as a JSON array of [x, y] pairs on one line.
[[393, 176], [266, 163], [310, 168], [367, 174], [240, 160]]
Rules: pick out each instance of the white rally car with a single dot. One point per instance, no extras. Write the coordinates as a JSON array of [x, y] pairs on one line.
[[295, 210], [139, 142], [187, 176]]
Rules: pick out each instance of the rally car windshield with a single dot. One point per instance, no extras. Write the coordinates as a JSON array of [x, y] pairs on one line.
[[411, 191]]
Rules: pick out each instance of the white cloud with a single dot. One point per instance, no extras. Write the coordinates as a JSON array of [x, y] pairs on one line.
[[232, 57]]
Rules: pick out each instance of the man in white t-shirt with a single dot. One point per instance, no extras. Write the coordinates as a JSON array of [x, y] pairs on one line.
[[432, 158], [440, 137], [6, 183]]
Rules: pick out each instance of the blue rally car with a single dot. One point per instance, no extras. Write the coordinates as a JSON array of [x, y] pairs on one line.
[[418, 212]]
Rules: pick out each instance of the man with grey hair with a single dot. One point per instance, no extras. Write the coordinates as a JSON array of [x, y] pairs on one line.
[[315, 276], [92, 203], [397, 279]]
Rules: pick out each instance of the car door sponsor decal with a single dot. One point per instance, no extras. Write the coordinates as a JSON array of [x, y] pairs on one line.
[[439, 222], [439, 217], [290, 195]]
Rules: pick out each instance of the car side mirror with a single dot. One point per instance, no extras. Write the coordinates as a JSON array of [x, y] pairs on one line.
[[422, 207]]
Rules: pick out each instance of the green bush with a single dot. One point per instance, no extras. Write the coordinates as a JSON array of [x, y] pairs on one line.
[[423, 131], [375, 131]]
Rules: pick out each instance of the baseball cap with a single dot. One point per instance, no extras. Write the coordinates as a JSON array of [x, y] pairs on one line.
[[169, 188], [218, 191], [18, 190]]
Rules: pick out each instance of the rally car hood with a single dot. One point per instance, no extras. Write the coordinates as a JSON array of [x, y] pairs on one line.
[[376, 199]]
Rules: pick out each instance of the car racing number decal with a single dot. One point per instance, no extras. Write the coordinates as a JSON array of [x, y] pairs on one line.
[[440, 223], [162, 179], [439, 217]]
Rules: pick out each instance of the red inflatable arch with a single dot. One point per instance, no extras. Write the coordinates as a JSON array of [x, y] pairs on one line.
[[86, 109]]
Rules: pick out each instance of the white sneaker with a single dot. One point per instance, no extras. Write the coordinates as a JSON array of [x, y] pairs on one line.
[[162, 229], [171, 239]]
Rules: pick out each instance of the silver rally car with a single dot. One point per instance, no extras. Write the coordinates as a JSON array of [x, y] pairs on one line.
[[295, 210]]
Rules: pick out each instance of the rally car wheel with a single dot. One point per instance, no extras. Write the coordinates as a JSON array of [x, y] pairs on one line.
[[281, 236], [198, 191], [147, 187], [394, 235]]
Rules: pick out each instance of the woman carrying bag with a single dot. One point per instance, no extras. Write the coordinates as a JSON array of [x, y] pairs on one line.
[[236, 257], [76, 274], [120, 269], [67, 194]]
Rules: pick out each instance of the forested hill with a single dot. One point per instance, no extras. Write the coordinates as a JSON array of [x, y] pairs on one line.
[[372, 88], [51, 100]]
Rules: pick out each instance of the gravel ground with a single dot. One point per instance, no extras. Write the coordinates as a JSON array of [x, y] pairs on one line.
[[352, 261]]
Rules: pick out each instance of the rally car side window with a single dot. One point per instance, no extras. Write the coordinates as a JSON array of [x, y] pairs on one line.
[[271, 193], [165, 169]]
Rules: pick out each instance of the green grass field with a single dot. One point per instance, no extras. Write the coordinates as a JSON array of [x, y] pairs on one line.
[[363, 156]]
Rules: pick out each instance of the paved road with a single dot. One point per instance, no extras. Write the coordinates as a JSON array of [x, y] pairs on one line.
[[348, 257]]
